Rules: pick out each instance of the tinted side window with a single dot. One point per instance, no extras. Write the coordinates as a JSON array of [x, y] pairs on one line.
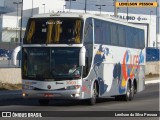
[[88, 43], [141, 39], [135, 38], [98, 31], [114, 36], [88, 31], [106, 33], [129, 37], [102, 32], [121, 35]]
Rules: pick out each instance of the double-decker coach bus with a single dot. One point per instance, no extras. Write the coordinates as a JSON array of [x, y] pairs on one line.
[[81, 56]]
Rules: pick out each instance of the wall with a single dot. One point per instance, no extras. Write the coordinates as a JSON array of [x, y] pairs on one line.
[[10, 75], [11, 21], [8, 34], [1, 3], [153, 68]]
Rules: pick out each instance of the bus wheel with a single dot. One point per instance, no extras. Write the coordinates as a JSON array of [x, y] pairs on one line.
[[132, 92], [92, 100], [43, 102], [129, 93]]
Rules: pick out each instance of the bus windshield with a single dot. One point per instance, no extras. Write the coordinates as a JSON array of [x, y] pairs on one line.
[[51, 64], [54, 31]]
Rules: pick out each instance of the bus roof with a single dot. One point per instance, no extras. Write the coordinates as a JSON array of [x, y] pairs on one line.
[[87, 15]]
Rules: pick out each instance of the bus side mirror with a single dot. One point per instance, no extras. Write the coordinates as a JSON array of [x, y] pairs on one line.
[[82, 56], [14, 55]]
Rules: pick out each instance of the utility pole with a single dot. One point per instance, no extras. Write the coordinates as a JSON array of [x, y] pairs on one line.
[[85, 8], [32, 9], [158, 41], [17, 3], [21, 23], [157, 24], [115, 9], [100, 7], [127, 11]]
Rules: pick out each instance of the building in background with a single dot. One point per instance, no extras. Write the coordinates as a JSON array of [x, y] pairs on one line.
[[10, 15], [11, 24]]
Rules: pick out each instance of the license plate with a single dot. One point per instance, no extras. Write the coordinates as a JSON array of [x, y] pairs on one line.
[[48, 94]]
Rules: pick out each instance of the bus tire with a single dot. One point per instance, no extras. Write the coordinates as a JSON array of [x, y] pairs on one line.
[[43, 102], [132, 91], [135, 86], [129, 93], [92, 100]]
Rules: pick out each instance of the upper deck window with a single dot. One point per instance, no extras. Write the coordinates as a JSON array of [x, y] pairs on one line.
[[54, 31]]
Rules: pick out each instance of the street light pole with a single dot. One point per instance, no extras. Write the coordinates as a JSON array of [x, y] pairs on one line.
[[115, 9], [69, 5], [64, 7], [157, 23], [17, 23], [127, 11], [85, 8], [17, 3], [44, 7], [150, 29], [70, 2], [100, 7], [21, 23], [32, 9]]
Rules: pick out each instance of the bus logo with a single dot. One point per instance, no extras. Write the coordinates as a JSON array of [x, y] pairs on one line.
[[49, 86]]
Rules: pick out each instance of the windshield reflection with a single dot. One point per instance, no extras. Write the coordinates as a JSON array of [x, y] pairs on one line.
[[51, 63], [54, 31]]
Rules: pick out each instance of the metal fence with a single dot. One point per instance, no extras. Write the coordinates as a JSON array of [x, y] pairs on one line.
[[6, 49], [152, 54]]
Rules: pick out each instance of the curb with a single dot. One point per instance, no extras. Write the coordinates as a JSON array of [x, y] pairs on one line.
[[152, 81]]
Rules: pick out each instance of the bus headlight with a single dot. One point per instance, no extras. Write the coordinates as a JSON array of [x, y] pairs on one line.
[[27, 87], [73, 87]]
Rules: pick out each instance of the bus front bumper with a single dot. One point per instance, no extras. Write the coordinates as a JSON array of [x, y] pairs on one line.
[[63, 94]]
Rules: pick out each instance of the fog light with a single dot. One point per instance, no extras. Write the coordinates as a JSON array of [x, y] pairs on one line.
[[24, 94], [75, 95]]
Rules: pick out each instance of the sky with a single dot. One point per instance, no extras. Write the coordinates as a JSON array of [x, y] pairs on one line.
[[49, 4]]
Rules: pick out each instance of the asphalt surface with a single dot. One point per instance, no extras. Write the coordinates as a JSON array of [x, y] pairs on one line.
[[147, 100]]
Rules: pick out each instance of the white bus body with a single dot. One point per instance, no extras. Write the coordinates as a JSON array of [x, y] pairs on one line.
[[110, 55]]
